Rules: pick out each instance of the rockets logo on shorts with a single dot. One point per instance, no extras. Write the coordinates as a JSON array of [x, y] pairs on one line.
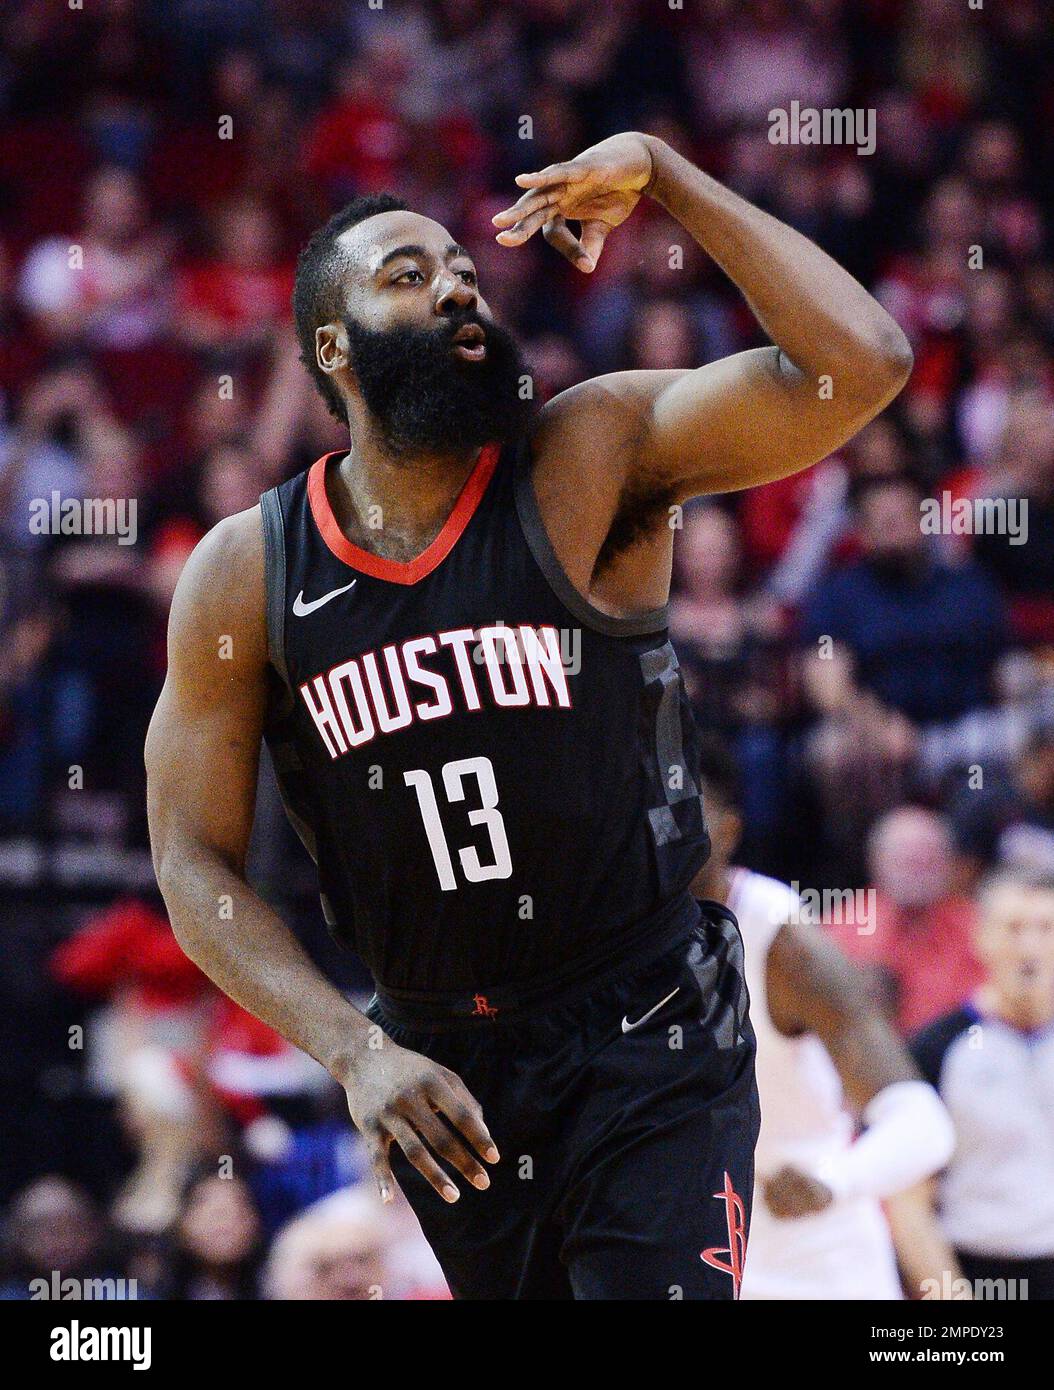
[[736, 1250]]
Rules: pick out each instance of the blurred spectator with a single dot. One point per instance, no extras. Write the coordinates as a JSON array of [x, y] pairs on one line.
[[52, 1232], [105, 284], [897, 644], [156, 1011], [917, 936], [922, 636], [1023, 469], [1009, 821], [231, 302], [187, 1065], [765, 53], [992, 1061], [350, 1247], [361, 141], [724, 636], [216, 1243]]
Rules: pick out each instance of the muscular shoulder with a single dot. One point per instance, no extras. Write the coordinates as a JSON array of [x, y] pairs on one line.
[[220, 600], [229, 554], [597, 426], [586, 449]]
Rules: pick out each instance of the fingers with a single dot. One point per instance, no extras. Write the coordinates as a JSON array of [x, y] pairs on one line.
[[413, 1146], [593, 236], [530, 202], [454, 1100], [526, 227], [559, 235], [526, 216], [538, 208], [561, 238], [544, 178], [443, 1140], [382, 1169], [419, 1129]]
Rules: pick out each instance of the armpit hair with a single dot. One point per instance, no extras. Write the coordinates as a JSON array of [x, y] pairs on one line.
[[639, 506]]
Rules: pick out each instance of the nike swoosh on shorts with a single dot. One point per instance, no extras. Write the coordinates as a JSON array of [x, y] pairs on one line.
[[628, 1027]]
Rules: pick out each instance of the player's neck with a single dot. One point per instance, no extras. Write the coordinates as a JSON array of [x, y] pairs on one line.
[[396, 505]]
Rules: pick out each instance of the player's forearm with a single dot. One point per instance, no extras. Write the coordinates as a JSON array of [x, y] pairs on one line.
[[821, 318], [247, 950]]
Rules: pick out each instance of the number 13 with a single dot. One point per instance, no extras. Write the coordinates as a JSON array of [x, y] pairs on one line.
[[487, 814]]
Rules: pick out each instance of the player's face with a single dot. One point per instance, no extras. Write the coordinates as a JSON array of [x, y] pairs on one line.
[[418, 342], [406, 270]]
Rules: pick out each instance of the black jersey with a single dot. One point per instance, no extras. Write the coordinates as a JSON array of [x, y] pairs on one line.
[[495, 779]]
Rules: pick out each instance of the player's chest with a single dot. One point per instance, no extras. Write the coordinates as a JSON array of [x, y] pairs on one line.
[[368, 660]]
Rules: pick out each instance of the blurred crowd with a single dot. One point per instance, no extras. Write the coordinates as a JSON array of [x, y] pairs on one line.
[[888, 693]]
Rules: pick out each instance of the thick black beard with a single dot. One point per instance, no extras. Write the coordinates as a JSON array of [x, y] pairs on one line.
[[424, 398]]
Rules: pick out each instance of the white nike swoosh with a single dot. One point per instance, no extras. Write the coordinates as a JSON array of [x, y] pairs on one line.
[[302, 609], [628, 1027]]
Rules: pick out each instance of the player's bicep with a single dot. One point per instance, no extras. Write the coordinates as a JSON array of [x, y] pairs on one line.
[[745, 420], [203, 744], [201, 778]]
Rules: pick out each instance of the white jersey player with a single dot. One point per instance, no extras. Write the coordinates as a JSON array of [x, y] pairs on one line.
[[825, 1054]]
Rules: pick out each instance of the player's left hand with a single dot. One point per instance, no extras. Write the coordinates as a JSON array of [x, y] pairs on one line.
[[598, 189], [790, 1193]]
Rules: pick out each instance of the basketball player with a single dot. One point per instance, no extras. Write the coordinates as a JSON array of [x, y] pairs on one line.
[[818, 1230], [452, 634]]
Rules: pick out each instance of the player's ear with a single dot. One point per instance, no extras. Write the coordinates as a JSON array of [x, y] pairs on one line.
[[331, 346]]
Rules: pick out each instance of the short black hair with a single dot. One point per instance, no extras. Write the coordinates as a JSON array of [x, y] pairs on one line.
[[315, 288], [719, 771]]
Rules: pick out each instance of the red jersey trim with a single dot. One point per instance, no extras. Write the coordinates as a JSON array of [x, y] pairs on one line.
[[400, 571]]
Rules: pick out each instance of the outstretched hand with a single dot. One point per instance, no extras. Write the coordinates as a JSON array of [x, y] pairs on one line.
[[598, 189]]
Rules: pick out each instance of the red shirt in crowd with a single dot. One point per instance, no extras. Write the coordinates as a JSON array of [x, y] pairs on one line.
[[929, 955]]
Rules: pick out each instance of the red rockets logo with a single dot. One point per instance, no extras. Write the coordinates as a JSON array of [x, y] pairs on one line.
[[736, 1250]]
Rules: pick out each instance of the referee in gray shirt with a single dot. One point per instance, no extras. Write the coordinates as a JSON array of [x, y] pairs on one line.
[[992, 1062]]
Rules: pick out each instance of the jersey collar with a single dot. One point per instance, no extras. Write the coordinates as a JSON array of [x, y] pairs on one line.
[[400, 571]]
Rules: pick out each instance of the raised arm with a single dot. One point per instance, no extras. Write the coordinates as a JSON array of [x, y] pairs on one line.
[[202, 754], [837, 358]]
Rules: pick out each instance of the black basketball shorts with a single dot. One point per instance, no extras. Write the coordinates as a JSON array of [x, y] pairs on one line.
[[626, 1115]]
